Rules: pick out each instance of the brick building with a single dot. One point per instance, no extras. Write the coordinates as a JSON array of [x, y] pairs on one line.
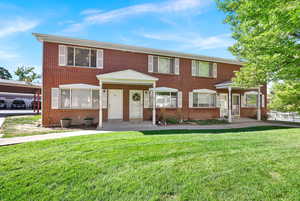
[[135, 83]]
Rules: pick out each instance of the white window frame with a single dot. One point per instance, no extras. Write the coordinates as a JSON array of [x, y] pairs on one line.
[[172, 59], [198, 93], [196, 63], [78, 108], [90, 56], [170, 94]]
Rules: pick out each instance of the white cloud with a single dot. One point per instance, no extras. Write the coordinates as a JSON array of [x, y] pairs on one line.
[[186, 41], [90, 11], [94, 16], [9, 27], [5, 55]]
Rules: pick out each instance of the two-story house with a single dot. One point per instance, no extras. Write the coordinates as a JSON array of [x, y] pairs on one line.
[[106, 81]]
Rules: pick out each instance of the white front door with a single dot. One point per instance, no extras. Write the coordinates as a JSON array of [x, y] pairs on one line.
[[236, 104], [223, 105], [115, 104], [136, 104]]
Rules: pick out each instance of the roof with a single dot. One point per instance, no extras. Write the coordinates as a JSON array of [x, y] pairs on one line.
[[227, 84], [106, 45], [206, 91], [19, 83], [127, 75]]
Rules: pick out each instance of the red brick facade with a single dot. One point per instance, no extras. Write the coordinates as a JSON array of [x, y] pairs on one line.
[[116, 60]]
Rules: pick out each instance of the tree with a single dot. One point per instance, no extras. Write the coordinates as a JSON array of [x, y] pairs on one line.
[[5, 74], [285, 97], [267, 34], [27, 74]]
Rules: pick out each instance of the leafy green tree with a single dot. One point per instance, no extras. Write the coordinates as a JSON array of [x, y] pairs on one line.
[[285, 97], [27, 74], [5, 74], [267, 34]]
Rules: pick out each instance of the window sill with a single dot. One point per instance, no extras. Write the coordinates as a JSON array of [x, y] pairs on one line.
[[195, 76], [164, 73], [78, 108], [84, 67], [204, 107]]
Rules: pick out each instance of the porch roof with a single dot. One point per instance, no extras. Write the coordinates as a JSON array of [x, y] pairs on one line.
[[127, 77], [78, 86], [163, 89], [229, 84]]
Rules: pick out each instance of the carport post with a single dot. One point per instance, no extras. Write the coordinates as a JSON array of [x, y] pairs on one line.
[[229, 105]]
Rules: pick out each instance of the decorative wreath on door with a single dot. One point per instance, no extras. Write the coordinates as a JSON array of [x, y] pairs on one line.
[[136, 97]]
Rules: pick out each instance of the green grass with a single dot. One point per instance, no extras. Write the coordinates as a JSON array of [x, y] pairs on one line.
[[259, 163], [26, 125]]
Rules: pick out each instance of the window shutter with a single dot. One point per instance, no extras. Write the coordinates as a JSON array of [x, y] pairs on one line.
[[179, 101], [243, 100], [218, 104], [215, 70], [194, 66], [100, 59], [55, 98], [146, 99], [190, 99], [150, 63], [262, 100], [104, 98], [177, 67], [62, 55]]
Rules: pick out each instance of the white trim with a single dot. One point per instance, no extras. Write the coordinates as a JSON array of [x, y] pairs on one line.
[[163, 89], [106, 45], [204, 91], [78, 86]]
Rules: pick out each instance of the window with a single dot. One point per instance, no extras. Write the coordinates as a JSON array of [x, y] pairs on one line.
[[163, 65], [166, 99], [251, 100], [82, 57], [204, 100], [79, 98], [202, 69]]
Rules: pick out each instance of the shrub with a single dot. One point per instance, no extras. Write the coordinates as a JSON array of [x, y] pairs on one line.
[[172, 120]]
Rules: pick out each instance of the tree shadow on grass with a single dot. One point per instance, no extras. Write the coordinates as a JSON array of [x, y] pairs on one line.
[[213, 131]]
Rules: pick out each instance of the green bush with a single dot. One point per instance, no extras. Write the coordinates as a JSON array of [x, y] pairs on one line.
[[172, 120]]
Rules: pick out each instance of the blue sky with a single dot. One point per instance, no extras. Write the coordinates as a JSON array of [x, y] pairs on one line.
[[192, 26]]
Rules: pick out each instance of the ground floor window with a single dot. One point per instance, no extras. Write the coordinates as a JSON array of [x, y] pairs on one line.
[[79, 98], [204, 100], [251, 100], [166, 99]]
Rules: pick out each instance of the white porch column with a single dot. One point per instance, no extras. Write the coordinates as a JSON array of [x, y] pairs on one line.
[[154, 105], [258, 105], [229, 105], [100, 105]]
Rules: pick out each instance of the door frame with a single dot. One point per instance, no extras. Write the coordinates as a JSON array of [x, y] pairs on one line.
[[142, 103], [239, 95], [226, 105], [109, 104]]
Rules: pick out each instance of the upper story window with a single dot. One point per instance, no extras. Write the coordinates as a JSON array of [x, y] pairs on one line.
[[165, 65], [204, 69], [80, 57]]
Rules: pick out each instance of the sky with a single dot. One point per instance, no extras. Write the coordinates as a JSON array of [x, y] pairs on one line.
[[190, 26]]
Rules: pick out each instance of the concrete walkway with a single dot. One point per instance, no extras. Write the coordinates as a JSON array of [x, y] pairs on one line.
[[18, 140], [131, 126]]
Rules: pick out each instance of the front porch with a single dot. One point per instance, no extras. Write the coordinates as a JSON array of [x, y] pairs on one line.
[[232, 101]]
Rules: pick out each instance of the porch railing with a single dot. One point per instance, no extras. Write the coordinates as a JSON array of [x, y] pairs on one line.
[[284, 116]]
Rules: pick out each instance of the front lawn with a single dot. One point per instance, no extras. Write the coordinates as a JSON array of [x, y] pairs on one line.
[[16, 126], [259, 163]]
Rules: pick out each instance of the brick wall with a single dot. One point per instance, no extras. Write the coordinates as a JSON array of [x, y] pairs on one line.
[[115, 60]]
